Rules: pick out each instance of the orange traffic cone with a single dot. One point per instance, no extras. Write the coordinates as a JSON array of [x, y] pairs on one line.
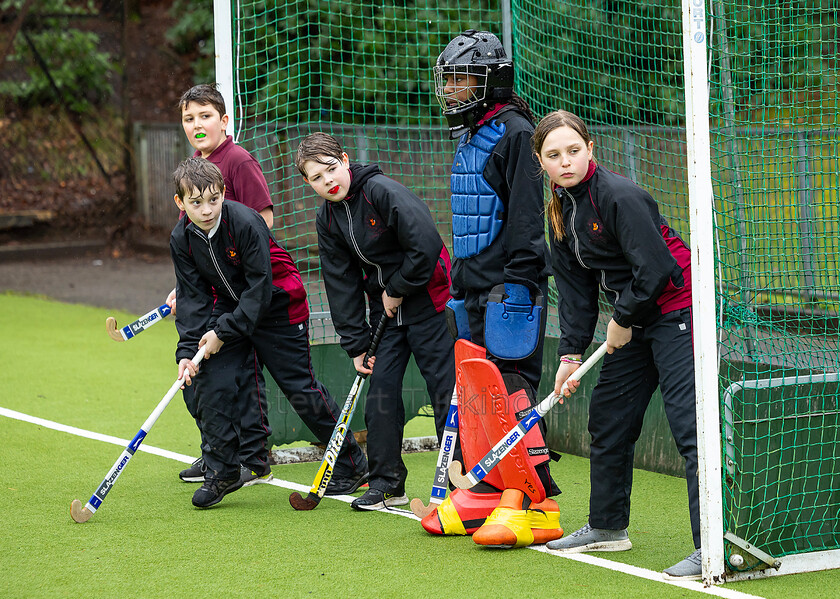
[[511, 525]]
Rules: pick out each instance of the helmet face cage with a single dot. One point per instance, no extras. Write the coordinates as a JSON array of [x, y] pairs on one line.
[[476, 54], [456, 77]]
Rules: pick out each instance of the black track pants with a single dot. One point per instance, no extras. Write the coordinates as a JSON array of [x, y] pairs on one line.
[[254, 429], [658, 354], [433, 349], [284, 351], [220, 408]]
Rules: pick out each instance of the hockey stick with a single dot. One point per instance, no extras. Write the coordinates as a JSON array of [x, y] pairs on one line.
[[325, 472], [517, 433], [82, 514], [138, 326], [447, 447]]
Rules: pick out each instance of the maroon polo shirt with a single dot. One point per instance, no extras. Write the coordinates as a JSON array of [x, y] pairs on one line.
[[244, 180]]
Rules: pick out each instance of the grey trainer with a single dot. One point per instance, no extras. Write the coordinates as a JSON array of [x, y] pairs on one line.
[[248, 477], [592, 539], [690, 568]]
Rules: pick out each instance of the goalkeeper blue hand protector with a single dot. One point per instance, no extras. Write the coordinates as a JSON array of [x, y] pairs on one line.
[[512, 322]]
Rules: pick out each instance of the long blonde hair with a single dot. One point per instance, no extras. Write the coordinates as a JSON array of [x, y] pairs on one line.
[[552, 121]]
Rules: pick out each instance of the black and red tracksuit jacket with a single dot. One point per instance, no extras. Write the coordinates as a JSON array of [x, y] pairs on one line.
[[237, 277], [617, 240], [381, 236]]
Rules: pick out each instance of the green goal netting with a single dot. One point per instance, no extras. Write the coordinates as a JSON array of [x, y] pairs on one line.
[[773, 76], [774, 133], [774, 106], [362, 71]]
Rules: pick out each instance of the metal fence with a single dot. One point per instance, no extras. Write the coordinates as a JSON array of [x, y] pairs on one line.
[[158, 148]]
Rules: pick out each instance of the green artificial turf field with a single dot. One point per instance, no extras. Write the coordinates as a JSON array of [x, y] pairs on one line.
[[148, 541]]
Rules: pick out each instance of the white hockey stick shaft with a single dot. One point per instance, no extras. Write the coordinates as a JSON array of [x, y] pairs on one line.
[[440, 483], [447, 447], [99, 495]]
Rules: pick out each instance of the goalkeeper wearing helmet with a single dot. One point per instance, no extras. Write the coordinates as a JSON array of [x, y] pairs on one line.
[[499, 287], [501, 258]]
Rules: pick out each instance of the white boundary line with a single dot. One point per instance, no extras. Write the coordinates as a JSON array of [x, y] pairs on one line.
[[577, 557], [648, 574]]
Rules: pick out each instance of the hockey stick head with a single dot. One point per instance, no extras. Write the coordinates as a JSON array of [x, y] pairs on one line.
[[457, 478], [111, 327], [304, 504], [420, 509], [138, 326], [79, 512]]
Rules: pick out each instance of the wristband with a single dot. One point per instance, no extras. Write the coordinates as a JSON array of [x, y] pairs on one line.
[[567, 360]]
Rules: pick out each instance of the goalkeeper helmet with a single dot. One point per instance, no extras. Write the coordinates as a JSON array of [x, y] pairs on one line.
[[472, 74]]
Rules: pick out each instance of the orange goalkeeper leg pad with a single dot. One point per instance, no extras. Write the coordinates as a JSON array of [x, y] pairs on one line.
[[512, 526], [461, 513]]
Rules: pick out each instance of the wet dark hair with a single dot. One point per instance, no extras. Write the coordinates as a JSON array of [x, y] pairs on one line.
[[196, 173], [552, 121], [205, 94], [314, 146]]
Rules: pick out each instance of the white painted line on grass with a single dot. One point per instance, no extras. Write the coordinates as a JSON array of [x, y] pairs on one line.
[[693, 585], [165, 453], [577, 557], [91, 435]]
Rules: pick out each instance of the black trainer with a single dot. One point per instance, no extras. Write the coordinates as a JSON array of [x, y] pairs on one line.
[[374, 499], [344, 485], [212, 491], [195, 473]]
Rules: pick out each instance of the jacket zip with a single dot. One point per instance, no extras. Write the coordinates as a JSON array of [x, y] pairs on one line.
[[358, 250], [604, 285], [577, 247], [574, 233], [218, 269], [398, 317]]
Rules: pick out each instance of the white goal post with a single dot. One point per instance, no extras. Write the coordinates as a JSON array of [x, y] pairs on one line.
[[223, 43], [709, 424], [701, 219]]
